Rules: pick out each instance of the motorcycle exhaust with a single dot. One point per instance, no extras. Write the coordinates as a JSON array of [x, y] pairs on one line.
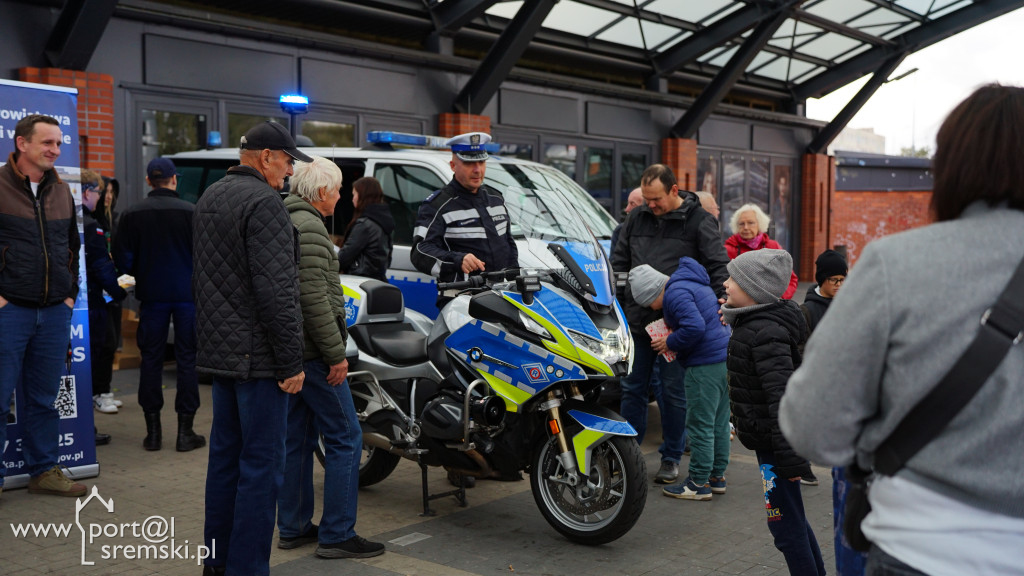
[[382, 442]]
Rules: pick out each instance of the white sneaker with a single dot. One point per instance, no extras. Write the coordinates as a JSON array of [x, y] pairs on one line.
[[103, 404], [116, 402]]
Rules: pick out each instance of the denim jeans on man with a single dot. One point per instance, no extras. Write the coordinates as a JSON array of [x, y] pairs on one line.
[[707, 420], [244, 473], [635, 398], [787, 521], [882, 564], [154, 322], [33, 350], [329, 410]]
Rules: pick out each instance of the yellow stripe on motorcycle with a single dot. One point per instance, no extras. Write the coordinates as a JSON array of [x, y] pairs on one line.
[[563, 345], [582, 443], [512, 396]]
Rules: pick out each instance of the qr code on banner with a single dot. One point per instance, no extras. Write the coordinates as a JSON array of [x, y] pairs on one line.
[[67, 402]]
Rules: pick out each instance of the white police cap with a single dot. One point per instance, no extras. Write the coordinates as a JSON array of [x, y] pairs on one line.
[[470, 147]]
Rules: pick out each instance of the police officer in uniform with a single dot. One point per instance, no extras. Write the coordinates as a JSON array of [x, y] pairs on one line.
[[464, 227]]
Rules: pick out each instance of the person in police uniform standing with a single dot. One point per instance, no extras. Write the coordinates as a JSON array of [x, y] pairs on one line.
[[464, 227]]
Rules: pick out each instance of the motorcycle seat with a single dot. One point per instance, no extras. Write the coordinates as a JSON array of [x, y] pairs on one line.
[[401, 348]]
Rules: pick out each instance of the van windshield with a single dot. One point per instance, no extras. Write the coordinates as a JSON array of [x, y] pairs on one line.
[[533, 211]]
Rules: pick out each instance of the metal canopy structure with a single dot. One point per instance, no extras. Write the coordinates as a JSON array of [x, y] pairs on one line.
[[762, 55]]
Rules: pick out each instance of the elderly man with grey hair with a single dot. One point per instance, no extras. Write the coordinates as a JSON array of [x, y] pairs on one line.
[[324, 404]]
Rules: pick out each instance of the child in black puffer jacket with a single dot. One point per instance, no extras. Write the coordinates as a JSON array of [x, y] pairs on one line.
[[763, 353]]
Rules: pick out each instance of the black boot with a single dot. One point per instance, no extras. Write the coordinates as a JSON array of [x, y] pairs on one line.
[[187, 439], [101, 439], [213, 571], [154, 437]]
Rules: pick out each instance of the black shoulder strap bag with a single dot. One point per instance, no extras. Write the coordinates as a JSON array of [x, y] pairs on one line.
[[1002, 327]]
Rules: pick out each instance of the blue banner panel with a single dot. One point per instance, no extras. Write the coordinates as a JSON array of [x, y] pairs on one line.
[[74, 402]]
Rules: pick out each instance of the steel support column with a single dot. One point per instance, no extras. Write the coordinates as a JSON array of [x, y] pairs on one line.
[[499, 61], [726, 78], [77, 33], [829, 133]]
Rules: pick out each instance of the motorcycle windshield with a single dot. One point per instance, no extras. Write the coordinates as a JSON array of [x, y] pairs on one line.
[[543, 217]]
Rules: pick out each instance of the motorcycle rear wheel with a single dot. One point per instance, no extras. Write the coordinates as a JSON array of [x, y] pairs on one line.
[[374, 466], [606, 509]]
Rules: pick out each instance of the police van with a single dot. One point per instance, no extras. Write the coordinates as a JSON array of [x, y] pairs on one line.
[[410, 167]]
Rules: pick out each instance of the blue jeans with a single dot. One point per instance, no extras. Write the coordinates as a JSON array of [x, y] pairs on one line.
[[154, 323], [33, 351], [849, 562], [245, 472], [787, 521], [329, 410], [707, 420], [636, 392]]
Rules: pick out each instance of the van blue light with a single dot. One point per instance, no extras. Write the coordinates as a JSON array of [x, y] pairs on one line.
[[417, 140], [294, 103]]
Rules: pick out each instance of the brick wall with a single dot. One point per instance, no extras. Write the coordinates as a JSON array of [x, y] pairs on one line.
[[95, 111], [452, 124], [860, 217], [680, 154], [817, 189]]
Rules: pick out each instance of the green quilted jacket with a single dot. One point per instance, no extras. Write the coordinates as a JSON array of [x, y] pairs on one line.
[[320, 294]]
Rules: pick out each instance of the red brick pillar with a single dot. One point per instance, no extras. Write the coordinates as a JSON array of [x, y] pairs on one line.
[[452, 124], [817, 192], [95, 111], [680, 154]]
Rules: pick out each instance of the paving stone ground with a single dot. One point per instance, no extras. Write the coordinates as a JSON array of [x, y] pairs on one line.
[[501, 531]]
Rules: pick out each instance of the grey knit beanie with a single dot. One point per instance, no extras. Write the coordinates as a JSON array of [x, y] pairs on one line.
[[763, 274], [646, 283]]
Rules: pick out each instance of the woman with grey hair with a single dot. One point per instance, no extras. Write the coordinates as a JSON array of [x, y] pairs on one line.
[[749, 225], [324, 404]]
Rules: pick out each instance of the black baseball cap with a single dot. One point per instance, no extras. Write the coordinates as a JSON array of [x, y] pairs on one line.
[[272, 136]]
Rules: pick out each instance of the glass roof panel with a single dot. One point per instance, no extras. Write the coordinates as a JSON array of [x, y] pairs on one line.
[[761, 59], [785, 68], [786, 36], [829, 46], [919, 6], [810, 73], [900, 30], [840, 10], [690, 11], [505, 9], [852, 53], [721, 58], [869, 22], [576, 18], [627, 32]]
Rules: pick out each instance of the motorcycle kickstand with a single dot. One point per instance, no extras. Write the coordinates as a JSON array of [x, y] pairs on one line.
[[460, 493]]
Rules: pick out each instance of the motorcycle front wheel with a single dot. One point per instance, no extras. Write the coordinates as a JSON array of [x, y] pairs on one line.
[[374, 465], [605, 504]]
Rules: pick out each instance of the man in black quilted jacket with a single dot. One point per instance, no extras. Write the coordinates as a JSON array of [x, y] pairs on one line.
[[249, 324]]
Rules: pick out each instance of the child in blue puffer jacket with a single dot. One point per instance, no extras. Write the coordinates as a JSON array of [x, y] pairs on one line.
[[701, 343]]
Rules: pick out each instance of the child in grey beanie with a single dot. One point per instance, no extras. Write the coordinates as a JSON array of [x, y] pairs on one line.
[[647, 284], [756, 279]]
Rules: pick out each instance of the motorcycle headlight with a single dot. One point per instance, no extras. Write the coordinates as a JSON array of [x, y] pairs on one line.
[[613, 347]]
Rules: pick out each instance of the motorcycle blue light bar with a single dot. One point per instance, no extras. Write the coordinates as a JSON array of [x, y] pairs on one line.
[[417, 140], [294, 103]]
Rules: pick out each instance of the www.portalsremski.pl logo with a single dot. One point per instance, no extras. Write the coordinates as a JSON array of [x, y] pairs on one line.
[[156, 532]]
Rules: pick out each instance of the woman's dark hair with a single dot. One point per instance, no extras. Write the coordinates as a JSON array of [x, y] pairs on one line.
[[978, 152], [370, 192]]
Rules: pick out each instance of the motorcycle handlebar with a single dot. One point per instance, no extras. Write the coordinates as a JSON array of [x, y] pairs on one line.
[[478, 280]]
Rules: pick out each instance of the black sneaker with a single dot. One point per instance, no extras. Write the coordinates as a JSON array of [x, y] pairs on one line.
[[809, 480], [458, 480], [308, 538], [668, 472], [354, 547]]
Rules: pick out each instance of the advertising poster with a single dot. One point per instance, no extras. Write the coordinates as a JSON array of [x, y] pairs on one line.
[[74, 401]]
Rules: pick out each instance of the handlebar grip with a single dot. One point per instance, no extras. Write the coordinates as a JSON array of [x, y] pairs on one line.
[[472, 282]]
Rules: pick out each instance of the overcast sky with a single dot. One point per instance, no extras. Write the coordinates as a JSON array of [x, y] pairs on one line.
[[909, 111]]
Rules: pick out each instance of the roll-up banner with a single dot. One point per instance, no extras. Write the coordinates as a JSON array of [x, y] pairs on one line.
[[76, 438]]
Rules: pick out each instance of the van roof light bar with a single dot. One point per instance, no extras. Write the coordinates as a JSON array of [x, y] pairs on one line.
[[389, 138]]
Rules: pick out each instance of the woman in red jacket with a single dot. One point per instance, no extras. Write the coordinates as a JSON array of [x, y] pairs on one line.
[[749, 226]]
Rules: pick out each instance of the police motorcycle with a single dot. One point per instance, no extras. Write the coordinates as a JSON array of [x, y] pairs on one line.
[[506, 380]]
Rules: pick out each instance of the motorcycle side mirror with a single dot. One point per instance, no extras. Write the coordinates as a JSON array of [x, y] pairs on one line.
[[527, 286]]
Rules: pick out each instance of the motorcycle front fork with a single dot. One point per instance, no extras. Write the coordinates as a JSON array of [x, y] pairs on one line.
[[565, 456]]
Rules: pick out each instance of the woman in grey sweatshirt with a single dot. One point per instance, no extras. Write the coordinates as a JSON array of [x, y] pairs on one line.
[[908, 311]]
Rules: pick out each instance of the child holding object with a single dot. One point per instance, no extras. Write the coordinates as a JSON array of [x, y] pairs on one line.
[[763, 353], [700, 342]]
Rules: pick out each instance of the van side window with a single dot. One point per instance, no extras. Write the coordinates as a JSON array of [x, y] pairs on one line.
[[405, 188]]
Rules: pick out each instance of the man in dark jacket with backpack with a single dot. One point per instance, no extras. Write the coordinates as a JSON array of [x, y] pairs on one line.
[[246, 285]]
